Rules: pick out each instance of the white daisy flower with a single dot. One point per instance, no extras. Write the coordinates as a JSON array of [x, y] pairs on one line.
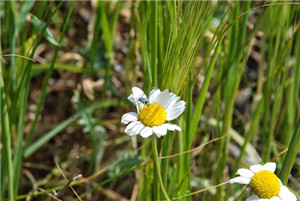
[[152, 114], [265, 185]]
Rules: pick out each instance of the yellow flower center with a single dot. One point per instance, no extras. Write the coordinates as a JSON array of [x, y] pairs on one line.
[[153, 115], [265, 184]]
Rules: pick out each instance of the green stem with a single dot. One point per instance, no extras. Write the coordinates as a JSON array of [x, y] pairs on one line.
[[156, 164]]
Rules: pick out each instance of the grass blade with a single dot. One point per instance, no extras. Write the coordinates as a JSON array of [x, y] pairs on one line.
[[291, 155], [25, 9], [6, 161]]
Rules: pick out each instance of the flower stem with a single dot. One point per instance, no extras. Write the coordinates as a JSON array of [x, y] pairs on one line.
[[156, 164]]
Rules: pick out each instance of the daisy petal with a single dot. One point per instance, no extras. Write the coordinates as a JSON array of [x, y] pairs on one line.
[[240, 180], [276, 198], [271, 166], [171, 127], [286, 194], [163, 98], [129, 117], [131, 125], [245, 173], [172, 101], [256, 168], [175, 110], [153, 95], [253, 198], [160, 130], [131, 99], [146, 132], [136, 129], [136, 94]]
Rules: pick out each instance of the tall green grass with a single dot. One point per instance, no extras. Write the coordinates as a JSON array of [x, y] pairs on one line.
[[202, 51]]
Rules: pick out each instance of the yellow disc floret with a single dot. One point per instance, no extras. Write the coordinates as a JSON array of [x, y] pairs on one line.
[[153, 115], [265, 184]]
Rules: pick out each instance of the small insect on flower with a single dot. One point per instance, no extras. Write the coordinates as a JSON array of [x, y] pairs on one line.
[[145, 101], [265, 185], [153, 113]]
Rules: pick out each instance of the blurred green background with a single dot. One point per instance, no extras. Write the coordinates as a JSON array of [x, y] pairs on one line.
[[67, 68]]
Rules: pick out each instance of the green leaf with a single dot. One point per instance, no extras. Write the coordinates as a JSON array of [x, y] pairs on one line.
[[40, 26]]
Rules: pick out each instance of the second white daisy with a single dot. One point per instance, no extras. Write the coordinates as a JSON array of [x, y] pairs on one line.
[[152, 114], [264, 183]]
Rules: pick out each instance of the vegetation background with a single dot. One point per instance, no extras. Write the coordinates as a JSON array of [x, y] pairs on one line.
[[67, 68]]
